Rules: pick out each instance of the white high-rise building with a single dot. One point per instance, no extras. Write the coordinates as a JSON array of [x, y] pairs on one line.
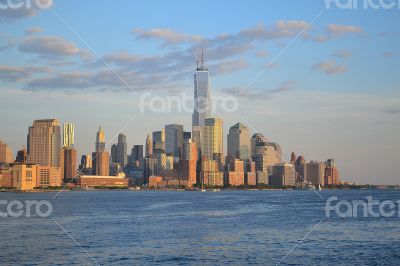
[[68, 136], [202, 100]]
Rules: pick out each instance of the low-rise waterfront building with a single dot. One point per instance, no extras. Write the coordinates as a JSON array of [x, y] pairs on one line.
[[103, 181]]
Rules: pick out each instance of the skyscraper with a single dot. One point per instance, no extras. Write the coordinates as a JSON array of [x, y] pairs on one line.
[[301, 171], [331, 173], [22, 156], [44, 142], [212, 139], [174, 140], [114, 153], [6, 155], [100, 158], [257, 139], [239, 142], [122, 150], [100, 140], [70, 157], [265, 153], [101, 163], [315, 173], [293, 158], [136, 158], [282, 174], [149, 146], [186, 136], [202, 100], [189, 162], [69, 153], [159, 140], [86, 164], [68, 137]]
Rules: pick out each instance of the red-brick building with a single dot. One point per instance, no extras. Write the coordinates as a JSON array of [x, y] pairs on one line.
[[103, 181]]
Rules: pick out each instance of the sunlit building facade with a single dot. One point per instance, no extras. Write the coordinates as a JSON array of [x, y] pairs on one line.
[[44, 143], [212, 140]]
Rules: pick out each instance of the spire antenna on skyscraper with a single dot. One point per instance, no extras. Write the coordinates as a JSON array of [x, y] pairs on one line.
[[197, 58], [202, 58]]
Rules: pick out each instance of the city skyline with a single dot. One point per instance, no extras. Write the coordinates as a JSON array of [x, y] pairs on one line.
[[323, 98]]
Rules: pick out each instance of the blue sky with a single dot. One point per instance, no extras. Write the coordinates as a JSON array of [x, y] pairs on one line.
[[333, 93]]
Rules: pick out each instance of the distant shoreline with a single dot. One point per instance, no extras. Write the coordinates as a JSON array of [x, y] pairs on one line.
[[196, 190]]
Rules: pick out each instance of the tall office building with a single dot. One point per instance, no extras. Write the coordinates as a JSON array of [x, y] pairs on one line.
[[101, 163], [196, 138], [122, 150], [149, 146], [6, 155], [69, 153], [212, 139], [68, 136], [100, 158], [331, 173], [300, 166], [265, 153], [202, 100], [114, 151], [282, 174], [22, 156], [70, 157], [211, 174], [256, 140], [189, 162], [86, 162], [187, 135], [315, 173], [150, 168], [161, 158], [159, 140], [174, 140], [293, 158], [189, 150], [202, 95], [44, 143], [235, 174], [239, 142], [136, 158], [100, 140]]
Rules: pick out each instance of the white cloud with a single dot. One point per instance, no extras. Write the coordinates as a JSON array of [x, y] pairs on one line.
[[336, 30], [33, 30], [18, 73], [168, 36], [48, 45], [342, 53], [227, 67], [341, 29], [12, 10], [329, 67]]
